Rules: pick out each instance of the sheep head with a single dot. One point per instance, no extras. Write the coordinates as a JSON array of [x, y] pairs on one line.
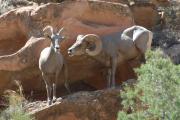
[[54, 37], [90, 44]]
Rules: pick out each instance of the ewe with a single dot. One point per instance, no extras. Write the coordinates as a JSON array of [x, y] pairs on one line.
[[51, 63]]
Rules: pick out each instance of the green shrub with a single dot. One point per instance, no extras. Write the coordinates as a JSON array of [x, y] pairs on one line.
[[14, 113], [156, 95], [15, 109], [5, 5]]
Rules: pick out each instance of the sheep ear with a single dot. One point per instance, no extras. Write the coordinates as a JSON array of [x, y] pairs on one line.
[[48, 31], [80, 37], [90, 45], [46, 35], [65, 37], [95, 45]]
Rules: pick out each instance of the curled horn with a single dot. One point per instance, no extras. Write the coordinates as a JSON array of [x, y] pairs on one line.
[[94, 39], [48, 31], [60, 30], [80, 37]]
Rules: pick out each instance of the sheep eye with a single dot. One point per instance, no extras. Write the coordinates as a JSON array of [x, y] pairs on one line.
[[49, 37], [91, 46], [88, 44]]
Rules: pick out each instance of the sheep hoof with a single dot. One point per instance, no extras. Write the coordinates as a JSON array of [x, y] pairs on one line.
[[59, 99], [54, 99], [49, 102]]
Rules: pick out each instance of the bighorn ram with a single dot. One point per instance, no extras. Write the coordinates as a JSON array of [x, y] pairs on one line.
[[113, 49], [51, 63]]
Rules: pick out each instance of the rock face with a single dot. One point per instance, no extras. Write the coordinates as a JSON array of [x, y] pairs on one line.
[[6, 5], [20, 52], [98, 105], [174, 53], [160, 2], [148, 18]]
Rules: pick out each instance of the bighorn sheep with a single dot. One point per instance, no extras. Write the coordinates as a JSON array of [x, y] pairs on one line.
[[51, 63], [113, 49]]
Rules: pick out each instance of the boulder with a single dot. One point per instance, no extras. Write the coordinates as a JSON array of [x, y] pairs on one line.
[[117, 1], [144, 11], [21, 40], [6, 5], [145, 14], [97, 105], [161, 2]]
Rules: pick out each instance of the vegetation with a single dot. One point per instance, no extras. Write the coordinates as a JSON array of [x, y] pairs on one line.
[[15, 110], [14, 113], [5, 6], [156, 94], [169, 33]]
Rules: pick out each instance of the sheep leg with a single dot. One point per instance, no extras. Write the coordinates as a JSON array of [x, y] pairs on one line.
[[48, 88], [54, 85], [54, 92], [66, 83], [114, 66], [109, 78]]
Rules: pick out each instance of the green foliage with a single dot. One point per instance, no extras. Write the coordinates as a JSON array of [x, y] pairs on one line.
[[15, 113], [15, 110], [156, 94], [5, 5]]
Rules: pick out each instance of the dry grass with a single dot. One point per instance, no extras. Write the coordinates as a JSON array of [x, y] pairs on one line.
[[16, 101]]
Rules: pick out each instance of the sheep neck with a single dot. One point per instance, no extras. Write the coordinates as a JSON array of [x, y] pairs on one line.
[[52, 52], [102, 58]]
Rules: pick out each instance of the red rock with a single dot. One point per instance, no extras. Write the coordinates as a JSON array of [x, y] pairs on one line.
[[145, 14], [20, 53], [97, 105]]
